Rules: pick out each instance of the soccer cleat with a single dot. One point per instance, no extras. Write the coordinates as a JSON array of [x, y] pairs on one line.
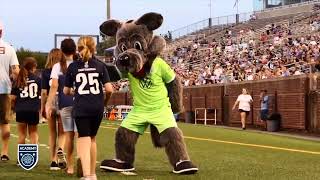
[[185, 167], [54, 166], [62, 163], [116, 165]]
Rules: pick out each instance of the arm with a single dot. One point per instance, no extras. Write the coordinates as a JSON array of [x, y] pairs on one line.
[[109, 90], [67, 91], [15, 71], [51, 96], [44, 96], [175, 91], [235, 104], [173, 85]]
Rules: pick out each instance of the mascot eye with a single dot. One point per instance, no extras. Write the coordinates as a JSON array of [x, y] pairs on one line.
[[123, 47], [137, 45]]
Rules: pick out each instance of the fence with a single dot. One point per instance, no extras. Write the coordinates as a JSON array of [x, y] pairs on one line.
[[216, 22], [296, 101]]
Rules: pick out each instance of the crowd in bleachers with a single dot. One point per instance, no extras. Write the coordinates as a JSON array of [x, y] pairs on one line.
[[277, 50], [280, 49]]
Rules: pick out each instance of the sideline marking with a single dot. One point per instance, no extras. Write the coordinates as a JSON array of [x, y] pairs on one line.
[[238, 143]]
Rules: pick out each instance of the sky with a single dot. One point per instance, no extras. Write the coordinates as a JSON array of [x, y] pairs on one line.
[[31, 24]]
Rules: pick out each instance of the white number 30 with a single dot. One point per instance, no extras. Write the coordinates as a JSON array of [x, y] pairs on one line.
[[30, 91], [84, 80]]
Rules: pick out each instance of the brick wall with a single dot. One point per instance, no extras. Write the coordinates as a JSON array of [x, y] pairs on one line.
[[291, 95]]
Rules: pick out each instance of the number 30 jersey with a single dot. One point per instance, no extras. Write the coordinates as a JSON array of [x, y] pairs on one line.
[[28, 98], [88, 79]]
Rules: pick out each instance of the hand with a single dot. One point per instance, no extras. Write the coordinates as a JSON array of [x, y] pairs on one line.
[[43, 113], [48, 110]]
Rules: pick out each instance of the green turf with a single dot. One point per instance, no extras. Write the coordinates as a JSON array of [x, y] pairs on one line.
[[216, 160]]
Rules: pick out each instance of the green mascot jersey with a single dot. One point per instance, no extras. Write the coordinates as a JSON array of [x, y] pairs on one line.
[[150, 99]]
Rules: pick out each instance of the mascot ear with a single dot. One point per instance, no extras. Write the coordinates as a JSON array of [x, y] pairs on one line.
[[151, 20], [110, 27]]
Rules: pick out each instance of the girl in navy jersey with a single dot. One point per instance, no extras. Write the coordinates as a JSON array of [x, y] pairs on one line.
[[54, 121], [26, 94], [68, 48], [90, 77]]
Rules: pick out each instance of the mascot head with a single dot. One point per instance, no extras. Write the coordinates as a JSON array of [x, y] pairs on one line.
[[136, 46]]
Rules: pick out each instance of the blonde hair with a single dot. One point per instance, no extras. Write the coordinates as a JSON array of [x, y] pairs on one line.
[[54, 57], [86, 47]]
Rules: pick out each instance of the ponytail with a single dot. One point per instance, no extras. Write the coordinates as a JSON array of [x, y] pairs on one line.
[[85, 54], [22, 78], [86, 47], [29, 63]]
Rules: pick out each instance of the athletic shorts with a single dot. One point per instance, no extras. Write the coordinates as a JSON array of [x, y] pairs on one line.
[[89, 125], [68, 122], [27, 117], [5, 106], [247, 112], [139, 120], [264, 114]]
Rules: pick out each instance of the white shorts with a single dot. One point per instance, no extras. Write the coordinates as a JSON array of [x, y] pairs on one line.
[[68, 122]]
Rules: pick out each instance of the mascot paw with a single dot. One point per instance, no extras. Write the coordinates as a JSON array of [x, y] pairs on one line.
[[185, 167], [116, 165]]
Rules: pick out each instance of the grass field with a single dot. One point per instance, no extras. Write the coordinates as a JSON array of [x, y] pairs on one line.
[[220, 154]]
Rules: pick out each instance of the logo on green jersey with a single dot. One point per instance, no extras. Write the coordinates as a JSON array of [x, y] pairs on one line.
[[145, 83]]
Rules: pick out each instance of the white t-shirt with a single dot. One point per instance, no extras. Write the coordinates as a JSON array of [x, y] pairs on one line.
[[244, 102], [56, 70], [8, 58]]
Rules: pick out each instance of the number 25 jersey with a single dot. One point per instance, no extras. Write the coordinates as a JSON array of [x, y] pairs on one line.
[[88, 79], [28, 98]]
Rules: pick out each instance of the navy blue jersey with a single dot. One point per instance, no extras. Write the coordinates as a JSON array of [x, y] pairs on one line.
[[28, 98], [45, 79], [88, 79], [63, 100]]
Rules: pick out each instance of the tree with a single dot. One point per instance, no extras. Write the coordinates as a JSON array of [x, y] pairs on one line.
[[105, 44], [39, 56]]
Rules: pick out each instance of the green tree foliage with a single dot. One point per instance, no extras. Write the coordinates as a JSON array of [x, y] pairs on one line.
[[39, 56], [105, 44]]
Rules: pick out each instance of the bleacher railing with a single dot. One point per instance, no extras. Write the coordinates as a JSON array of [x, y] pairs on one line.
[[289, 6], [216, 22]]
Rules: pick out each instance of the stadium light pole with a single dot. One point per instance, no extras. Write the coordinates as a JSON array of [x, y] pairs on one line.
[[210, 8], [108, 9]]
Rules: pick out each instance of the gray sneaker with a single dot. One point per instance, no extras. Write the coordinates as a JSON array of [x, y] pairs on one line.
[[62, 163]]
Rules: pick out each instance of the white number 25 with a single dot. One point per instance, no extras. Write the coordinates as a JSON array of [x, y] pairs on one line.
[[84, 79]]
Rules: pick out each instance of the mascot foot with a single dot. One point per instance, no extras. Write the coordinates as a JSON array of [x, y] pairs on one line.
[[116, 166], [185, 167]]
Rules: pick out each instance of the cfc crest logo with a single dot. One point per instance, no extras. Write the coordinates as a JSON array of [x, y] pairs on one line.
[[28, 155], [145, 83]]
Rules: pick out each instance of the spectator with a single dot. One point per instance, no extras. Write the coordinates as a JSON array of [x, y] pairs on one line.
[[8, 59], [264, 103], [244, 100]]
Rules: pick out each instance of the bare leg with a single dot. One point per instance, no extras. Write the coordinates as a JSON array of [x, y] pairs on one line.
[[22, 133], [69, 146], [52, 138], [93, 156], [61, 135], [33, 134], [83, 148], [5, 135]]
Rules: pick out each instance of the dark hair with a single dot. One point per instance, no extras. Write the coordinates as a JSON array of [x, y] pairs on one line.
[[68, 47], [29, 63], [264, 90]]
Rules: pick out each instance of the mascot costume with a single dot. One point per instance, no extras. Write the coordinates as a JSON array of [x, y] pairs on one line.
[[156, 92]]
